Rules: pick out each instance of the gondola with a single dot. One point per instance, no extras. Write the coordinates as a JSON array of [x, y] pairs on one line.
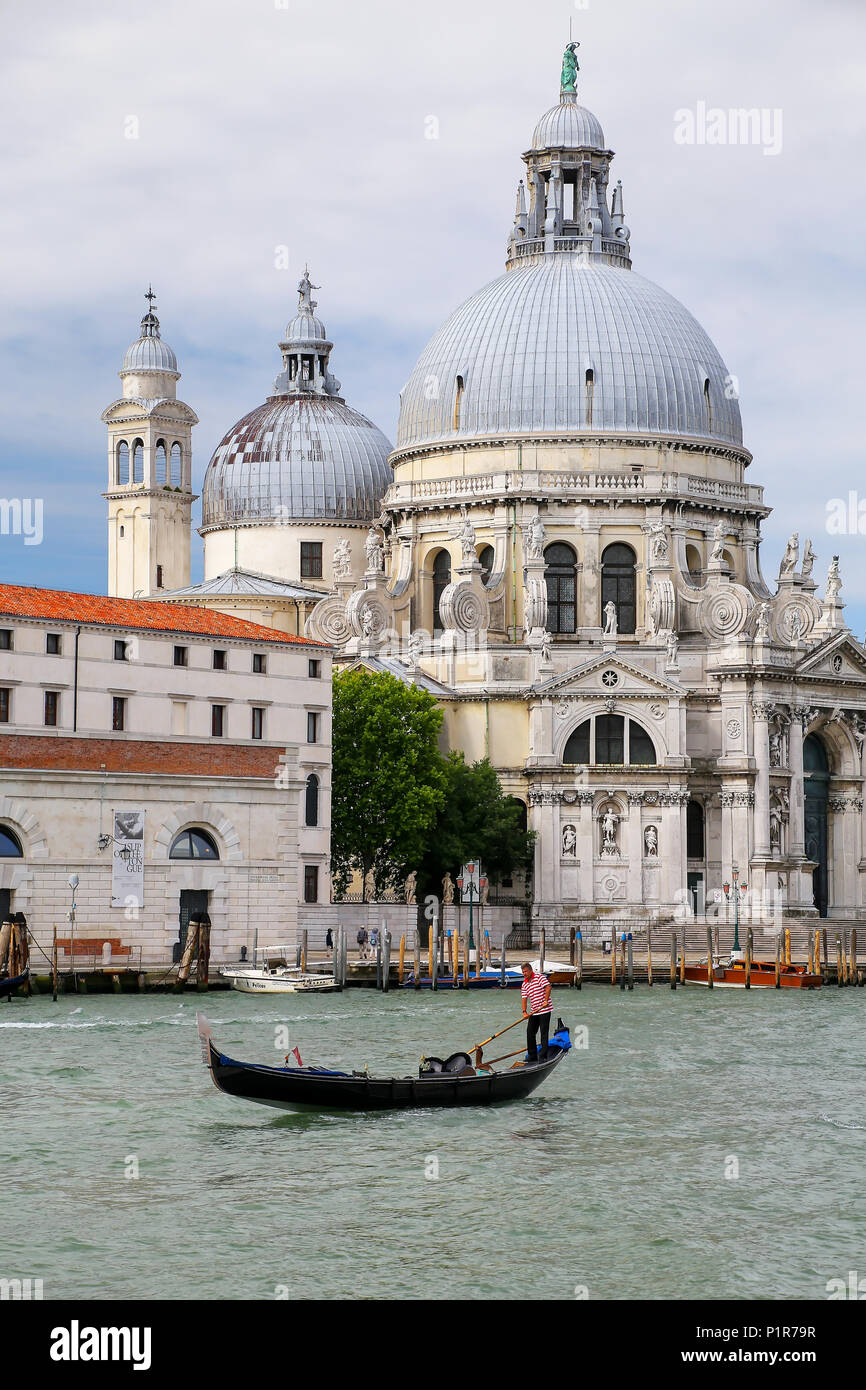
[[453, 1082], [9, 986]]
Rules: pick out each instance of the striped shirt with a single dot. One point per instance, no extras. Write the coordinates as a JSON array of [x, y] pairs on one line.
[[533, 990]]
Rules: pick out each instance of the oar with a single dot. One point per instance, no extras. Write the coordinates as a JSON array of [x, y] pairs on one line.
[[478, 1048]]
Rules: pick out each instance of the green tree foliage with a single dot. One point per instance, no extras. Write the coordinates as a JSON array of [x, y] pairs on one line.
[[477, 821], [389, 778]]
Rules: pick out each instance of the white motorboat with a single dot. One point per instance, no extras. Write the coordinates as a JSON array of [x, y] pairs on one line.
[[271, 975]]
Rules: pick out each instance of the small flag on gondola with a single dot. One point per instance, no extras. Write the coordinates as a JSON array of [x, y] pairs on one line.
[[296, 1053]]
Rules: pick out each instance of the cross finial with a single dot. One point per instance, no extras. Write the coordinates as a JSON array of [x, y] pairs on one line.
[[150, 296]]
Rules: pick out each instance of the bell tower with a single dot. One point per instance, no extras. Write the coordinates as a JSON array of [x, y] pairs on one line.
[[149, 491]]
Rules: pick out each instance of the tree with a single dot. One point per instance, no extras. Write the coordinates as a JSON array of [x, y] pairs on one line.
[[476, 821], [389, 778]]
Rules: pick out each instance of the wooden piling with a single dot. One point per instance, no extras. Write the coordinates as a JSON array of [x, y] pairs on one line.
[[431, 949], [630, 962], [434, 954], [621, 949], [571, 946], [683, 958], [541, 944], [857, 979], [304, 951], [613, 955], [849, 977], [778, 962], [787, 945], [817, 952], [673, 960], [416, 979], [386, 963], [578, 978], [649, 955], [379, 961], [54, 967], [710, 972], [825, 972], [716, 939], [402, 961], [466, 960], [502, 984], [748, 958], [810, 961], [188, 951], [202, 969], [839, 980]]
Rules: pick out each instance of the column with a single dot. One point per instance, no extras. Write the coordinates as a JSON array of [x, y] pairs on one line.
[[796, 823], [585, 847], [633, 846], [762, 781]]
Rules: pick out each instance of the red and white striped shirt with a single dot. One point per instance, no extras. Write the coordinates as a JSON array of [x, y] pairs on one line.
[[533, 989]]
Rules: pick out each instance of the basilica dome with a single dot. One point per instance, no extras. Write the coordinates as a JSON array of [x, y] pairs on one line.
[[568, 126], [304, 454]]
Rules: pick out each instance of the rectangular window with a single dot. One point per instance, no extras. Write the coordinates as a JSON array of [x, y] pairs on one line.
[[5, 705], [5, 639], [311, 883], [219, 660], [311, 559], [52, 701], [52, 643], [159, 576], [118, 713], [258, 722], [314, 670], [312, 727], [119, 650], [217, 720], [181, 656], [178, 716], [260, 665]]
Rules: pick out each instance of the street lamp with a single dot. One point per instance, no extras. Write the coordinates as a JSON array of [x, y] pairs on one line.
[[733, 893]]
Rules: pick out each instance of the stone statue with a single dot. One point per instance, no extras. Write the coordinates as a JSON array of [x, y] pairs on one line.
[[789, 559], [610, 619], [342, 559], [775, 750], [609, 823], [569, 841], [410, 886], [305, 285], [533, 538], [809, 558], [658, 543], [466, 535], [719, 535], [485, 891], [415, 647], [834, 581], [775, 827], [673, 648], [448, 890], [368, 620], [651, 842], [570, 68], [795, 624], [762, 626], [375, 553], [546, 655]]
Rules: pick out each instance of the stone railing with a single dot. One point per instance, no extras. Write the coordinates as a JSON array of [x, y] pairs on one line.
[[514, 482]]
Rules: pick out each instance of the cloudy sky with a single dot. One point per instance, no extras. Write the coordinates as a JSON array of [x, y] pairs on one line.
[[264, 124]]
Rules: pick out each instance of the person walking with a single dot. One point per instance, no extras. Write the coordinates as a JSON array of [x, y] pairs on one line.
[[535, 993], [329, 940], [362, 943]]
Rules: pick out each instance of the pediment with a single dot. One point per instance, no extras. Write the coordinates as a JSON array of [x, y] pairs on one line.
[[591, 680], [839, 658], [142, 408]]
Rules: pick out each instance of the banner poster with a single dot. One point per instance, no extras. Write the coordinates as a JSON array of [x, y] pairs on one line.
[[127, 868]]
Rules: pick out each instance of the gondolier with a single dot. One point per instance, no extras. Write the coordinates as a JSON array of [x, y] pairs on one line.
[[535, 992]]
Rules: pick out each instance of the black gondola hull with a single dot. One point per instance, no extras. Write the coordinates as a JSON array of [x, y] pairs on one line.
[[290, 1088]]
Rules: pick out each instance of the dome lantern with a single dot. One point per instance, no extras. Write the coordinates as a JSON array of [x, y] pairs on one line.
[[306, 350], [149, 353]]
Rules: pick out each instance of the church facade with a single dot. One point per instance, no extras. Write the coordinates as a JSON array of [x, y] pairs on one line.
[[565, 546]]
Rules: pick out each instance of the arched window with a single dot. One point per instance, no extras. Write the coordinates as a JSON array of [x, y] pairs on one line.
[[193, 844], [311, 801], [590, 391], [610, 739], [10, 845], [123, 462], [176, 460], [485, 559], [695, 567], [561, 576], [618, 585], [694, 830], [161, 476], [441, 580], [137, 461], [458, 399]]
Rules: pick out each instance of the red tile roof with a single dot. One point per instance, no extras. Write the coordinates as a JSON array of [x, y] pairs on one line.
[[59, 605], [213, 759]]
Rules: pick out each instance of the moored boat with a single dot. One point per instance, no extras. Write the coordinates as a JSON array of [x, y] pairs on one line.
[[731, 974], [9, 984], [449, 1083]]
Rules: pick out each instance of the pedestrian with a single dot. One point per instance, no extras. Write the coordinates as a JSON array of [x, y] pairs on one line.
[[362, 942], [329, 940], [535, 993], [374, 940]]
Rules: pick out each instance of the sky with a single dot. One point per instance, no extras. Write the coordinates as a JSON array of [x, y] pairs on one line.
[[211, 149]]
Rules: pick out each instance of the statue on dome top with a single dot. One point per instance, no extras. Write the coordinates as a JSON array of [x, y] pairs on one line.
[[305, 287], [570, 68]]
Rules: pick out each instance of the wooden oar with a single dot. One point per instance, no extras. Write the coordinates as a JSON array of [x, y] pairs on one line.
[[522, 1019]]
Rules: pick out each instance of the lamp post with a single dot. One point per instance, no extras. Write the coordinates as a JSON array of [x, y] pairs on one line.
[[733, 893]]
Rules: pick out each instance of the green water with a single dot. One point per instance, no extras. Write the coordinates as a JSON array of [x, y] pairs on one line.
[[611, 1177]]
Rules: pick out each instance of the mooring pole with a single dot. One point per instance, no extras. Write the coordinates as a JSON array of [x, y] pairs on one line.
[[673, 960], [502, 964], [578, 980], [649, 955], [416, 981], [630, 963], [386, 963], [710, 973]]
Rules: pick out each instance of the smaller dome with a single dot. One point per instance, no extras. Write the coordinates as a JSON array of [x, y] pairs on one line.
[[149, 353], [568, 126], [306, 328]]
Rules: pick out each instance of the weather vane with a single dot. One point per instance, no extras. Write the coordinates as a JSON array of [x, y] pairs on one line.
[[150, 296]]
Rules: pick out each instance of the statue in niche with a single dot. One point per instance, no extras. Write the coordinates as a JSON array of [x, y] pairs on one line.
[[789, 559], [569, 841], [374, 550], [465, 533], [415, 647], [719, 536], [533, 538], [610, 619], [609, 826], [762, 626], [673, 648], [651, 842], [658, 543]]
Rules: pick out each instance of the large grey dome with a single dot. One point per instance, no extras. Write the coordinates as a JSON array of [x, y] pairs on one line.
[[297, 458], [568, 126], [523, 346]]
